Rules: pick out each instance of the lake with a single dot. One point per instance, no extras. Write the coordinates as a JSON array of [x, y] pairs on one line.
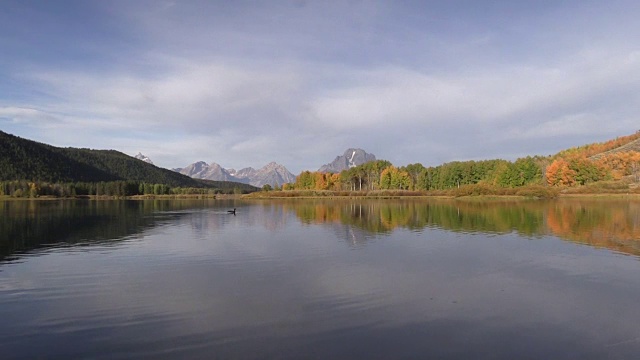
[[341, 279]]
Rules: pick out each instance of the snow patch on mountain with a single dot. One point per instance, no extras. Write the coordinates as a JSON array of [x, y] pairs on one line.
[[351, 158], [273, 174], [144, 158]]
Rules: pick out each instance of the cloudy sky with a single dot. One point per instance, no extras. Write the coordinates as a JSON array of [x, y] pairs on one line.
[[298, 82]]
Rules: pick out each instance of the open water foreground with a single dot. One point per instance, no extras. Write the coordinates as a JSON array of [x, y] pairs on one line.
[[312, 279]]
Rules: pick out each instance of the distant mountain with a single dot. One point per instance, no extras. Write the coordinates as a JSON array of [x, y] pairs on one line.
[[213, 171], [243, 173], [350, 158], [273, 174], [144, 158], [22, 159]]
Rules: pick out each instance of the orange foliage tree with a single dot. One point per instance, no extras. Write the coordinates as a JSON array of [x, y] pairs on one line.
[[622, 164], [314, 180], [575, 171], [559, 174], [597, 148]]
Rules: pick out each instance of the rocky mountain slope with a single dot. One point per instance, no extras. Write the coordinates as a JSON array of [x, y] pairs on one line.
[[144, 158], [213, 171], [273, 174], [350, 158]]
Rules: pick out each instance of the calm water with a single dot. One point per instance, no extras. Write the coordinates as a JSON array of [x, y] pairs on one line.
[[314, 279]]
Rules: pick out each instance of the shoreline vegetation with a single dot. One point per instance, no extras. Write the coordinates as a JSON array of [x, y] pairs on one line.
[[609, 168], [616, 189], [480, 191]]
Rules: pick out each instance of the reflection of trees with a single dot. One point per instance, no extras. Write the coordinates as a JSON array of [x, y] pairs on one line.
[[29, 225], [611, 224], [364, 215], [382, 216]]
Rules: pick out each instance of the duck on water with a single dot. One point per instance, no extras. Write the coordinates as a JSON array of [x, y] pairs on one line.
[[232, 211]]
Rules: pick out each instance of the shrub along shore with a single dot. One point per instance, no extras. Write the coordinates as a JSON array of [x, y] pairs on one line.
[[475, 190], [25, 190]]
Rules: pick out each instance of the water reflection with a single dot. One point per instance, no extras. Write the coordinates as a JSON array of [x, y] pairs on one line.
[[612, 224], [26, 226], [427, 279]]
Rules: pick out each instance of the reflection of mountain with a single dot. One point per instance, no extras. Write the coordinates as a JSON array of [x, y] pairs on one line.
[[26, 226], [610, 224], [352, 235]]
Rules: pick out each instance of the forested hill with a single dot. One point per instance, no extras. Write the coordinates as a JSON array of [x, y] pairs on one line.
[[596, 151], [22, 159], [633, 145]]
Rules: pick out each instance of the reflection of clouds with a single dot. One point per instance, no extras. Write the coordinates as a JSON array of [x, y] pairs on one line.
[[206, 278], [213, 221]]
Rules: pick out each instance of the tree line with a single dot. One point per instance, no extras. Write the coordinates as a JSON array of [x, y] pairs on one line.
[[572, 167], [34, 189], [382, 175]]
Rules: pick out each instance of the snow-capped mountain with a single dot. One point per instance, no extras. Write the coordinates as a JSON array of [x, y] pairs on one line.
[[273, 174], [350, 158], [213, 171], [144, 158], [243, 173]]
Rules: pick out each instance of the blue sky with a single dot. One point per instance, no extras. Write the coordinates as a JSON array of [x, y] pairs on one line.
[[298, 82]]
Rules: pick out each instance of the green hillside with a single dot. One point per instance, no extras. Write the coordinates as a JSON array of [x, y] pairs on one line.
[[22, 159]]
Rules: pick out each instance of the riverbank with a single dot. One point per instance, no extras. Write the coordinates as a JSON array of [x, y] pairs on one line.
[[475, 193], [135, 197]]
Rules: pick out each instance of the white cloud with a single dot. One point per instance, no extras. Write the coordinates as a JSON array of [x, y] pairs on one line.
[[299, 84], [407, 97], [24, 115]]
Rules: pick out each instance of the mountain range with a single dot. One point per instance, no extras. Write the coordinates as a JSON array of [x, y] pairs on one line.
[[23, 159], [272, 174]]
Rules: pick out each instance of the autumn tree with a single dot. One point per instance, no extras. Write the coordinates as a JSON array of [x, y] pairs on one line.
[[305, 181], [394, 178], [559, 174], [414, 171], [620, 164]]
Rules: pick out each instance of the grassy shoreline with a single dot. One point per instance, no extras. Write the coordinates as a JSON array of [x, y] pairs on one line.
[[471, 193], [135, 197]]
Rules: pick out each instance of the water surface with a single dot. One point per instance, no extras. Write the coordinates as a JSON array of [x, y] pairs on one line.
[[317, 279]]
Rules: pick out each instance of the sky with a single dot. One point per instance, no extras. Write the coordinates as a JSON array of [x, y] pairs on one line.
[[244, 83]]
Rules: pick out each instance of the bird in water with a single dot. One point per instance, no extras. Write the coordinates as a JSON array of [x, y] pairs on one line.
[[232, 211]]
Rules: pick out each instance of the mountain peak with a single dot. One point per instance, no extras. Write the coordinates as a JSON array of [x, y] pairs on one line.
[[273, 174], [352, 157], [143, 157]]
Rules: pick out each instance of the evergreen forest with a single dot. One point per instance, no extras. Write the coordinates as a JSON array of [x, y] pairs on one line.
[[31, 169]]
